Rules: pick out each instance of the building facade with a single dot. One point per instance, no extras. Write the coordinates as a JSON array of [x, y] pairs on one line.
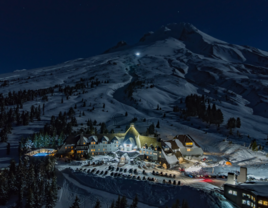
[[131, 141], [249, 194]]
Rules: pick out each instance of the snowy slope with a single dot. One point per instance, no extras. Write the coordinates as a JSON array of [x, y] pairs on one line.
[[178, 60]]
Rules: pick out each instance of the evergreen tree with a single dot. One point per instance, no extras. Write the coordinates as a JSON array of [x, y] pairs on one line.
[[123, 202], [176, 204], [185, 204], [43, 108], [112, 205], [103, 105], [118, 203], [8, 148], [134, 202], [75, 106], [30, 199], [61, 100], [76, 203], [238, 122], [83, 113], [231, 123], [158, 125], [97, 205], [126, 114]]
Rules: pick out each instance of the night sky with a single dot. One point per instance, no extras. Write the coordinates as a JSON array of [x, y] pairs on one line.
[[37, 33]]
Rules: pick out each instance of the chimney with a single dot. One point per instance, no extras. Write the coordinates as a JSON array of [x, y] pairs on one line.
[[242, 178]]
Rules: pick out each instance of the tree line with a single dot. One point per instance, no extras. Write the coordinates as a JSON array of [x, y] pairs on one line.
[[196, 106], [33, 181], [121, 202]]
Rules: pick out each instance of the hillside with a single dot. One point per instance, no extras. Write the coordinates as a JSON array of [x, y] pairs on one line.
[[174, 62]]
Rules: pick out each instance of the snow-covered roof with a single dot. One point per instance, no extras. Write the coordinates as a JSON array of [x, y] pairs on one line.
[[93, 138], [104, 139], [171, 159], [258, 188]]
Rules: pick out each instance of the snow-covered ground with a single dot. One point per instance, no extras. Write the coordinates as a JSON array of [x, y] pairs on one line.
[[178, 60]]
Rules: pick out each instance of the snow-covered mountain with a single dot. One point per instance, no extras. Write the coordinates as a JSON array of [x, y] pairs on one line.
[[173, 62]]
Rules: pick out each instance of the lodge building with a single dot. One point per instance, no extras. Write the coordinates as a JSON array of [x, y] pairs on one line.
[[248, 194], [130, 142]]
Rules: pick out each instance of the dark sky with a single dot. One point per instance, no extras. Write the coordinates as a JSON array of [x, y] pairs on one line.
[[36, 33]]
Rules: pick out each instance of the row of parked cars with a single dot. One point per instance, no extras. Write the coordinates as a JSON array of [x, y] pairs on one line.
[[163, 174], [193, 175], [112, 168]]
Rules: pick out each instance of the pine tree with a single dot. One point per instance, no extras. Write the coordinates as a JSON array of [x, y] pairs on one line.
[[134, 202], [30, 199], [158, 125], [176, 204], [43, 108], [238, 122], [76, 203], [97, 205], [103, 105], [112, 205], [83, 113], [118, 203], [185, 204], [75, 106], [61, 100], [123, 202], [126, 114]]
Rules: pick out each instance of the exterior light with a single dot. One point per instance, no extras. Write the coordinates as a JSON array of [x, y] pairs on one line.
[[138, 54]]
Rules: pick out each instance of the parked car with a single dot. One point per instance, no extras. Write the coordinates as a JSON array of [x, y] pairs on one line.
[[101, 172], [121, 169], [106, 172], [125, 170], [130, 170], [117, 168], [93, 170]]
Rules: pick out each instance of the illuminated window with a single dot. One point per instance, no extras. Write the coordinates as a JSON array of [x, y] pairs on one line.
[[159, 155], [189, 144], [116, 145], [159, 152], [188, 150], [150, 152], [260, 202], [143, 152], [248, 202], [99, 149], [155, 149], [235, 193], [103, 149], [244, 201], [65, 147], [69, 147], [146, 152], [160, 163], [248, 196], [84, 143], [117, 142], [265, 203], [230, 192], [244, 195], [72, 151], [155, 153], [92, 153], [140, 151], [72, 147]]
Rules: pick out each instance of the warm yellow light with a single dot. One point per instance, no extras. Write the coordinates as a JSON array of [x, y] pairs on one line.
[[188, 150], [189, 144]]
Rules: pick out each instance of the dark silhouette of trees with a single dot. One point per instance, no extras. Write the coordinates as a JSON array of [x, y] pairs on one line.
[[195, 106]]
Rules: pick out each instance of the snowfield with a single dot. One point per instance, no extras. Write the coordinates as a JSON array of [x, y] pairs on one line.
[[175, 61]]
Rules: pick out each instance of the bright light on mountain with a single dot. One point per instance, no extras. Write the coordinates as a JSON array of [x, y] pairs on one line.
[[137, 54]]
